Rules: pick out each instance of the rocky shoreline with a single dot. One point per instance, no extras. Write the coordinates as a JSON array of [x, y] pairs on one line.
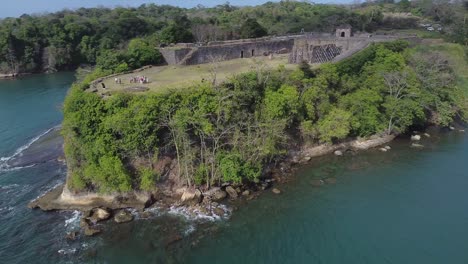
[[96, 208]]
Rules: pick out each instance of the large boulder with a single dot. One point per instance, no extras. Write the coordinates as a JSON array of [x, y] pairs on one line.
[[317, 182], [99, 214], [123, 216], [215, 194], [191, 196], [231, 192]]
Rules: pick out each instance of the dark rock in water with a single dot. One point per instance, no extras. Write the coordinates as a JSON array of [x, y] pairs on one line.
[[146, 215], [91, 231], [218, 211], [123, 216], [232, 192], [87, 213], [172, 239], [265, 185], [276, 191], [84, 222], [72, 235], [317, 183], [330, 180]]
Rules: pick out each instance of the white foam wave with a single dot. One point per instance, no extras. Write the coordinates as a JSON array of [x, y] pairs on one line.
[[18, 152], [6, 209], [67, 251], [193, 214], [9, 186], [74, 220]]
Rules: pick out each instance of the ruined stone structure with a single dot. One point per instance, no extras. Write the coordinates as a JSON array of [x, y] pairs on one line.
[[321, 49], [310, 47], [192, 54], [343, 31]]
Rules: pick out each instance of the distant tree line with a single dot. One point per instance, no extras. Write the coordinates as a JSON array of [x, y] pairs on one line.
[[68, 39]]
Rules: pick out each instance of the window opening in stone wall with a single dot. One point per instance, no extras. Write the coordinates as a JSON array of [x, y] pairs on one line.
[[242, 54], [343, 34], [253, 53]]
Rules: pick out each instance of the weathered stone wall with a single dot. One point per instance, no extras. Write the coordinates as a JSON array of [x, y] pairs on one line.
[[325, 49], [174, 56], [207, 54], [312, 47]]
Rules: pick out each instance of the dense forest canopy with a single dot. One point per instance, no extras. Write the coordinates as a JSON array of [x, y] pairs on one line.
[[69, 38], [230, 132]]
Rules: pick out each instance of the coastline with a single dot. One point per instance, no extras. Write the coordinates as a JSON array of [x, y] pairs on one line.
[[60, 198]]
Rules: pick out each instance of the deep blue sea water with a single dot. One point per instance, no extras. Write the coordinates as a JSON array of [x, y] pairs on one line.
[[404, 206]]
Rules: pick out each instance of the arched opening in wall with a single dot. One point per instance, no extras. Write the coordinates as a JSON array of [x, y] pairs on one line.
[[342, 34], [242, 54], [253, 53]]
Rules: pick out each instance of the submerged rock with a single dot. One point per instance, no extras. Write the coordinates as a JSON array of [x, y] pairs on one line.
[[91, 231], [123, 216], [72, 235], [414, 145], [231, 192], [276, 191], [330, 180], [218, 211], [317, 183], [427, 135]]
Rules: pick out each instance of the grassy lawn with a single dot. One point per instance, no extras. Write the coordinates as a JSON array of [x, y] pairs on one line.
[[169, 77]]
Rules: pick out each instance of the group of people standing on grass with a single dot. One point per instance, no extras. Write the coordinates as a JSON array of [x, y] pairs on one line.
[[139, 79], [118, 80]]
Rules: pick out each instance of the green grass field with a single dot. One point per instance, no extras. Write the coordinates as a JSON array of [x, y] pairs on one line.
[[163, 78]]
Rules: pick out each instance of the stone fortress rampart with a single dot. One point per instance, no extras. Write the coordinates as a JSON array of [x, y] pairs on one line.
[[311, 47]]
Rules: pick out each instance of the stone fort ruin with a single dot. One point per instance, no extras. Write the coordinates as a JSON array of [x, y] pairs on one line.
[[311, 47]]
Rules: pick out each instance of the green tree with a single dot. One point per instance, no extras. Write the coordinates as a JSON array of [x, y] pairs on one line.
[[252, 29], [334, 126], [141, 53]]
